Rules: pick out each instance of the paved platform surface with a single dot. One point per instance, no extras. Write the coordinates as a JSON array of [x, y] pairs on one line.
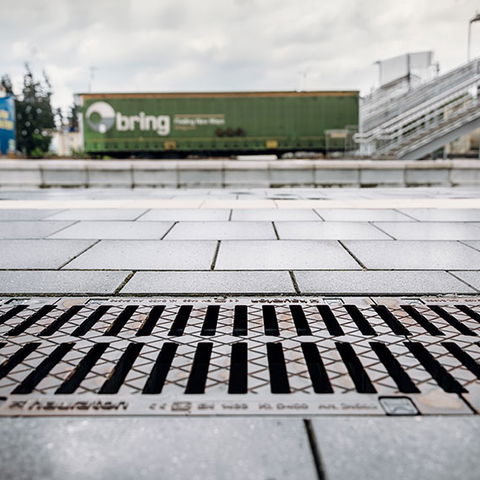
[[304, 241], [224, 242]]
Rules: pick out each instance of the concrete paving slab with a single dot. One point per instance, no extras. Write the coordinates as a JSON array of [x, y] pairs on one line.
[[60, 282], [26, 214], [283, 255], [472, 278], [155, 448], [18, 254], [329, 231], [116, 230], [274, 215], [431, 230], [474, 244], [186, 215], [444, 214], [242, 203], [98, 214], [222, 231], [414, 255], [403, 448], [30, 229], [209, 282], [361, 215], [147, 255], [381, 282]]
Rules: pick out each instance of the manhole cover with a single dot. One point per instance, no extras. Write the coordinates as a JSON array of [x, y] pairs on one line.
[[250, 356]]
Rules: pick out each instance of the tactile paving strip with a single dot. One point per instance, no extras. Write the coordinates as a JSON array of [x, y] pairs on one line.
[[250, 356]]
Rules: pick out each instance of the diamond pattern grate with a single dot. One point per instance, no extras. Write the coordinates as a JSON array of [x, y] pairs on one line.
[[322, 356]]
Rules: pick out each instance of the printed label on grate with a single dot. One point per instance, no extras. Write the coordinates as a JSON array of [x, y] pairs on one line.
[[242, 356]]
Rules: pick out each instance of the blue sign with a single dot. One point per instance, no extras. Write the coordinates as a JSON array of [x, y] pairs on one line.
[[7, 125]]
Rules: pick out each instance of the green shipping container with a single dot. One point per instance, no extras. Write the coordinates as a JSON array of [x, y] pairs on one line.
[[217, 123]]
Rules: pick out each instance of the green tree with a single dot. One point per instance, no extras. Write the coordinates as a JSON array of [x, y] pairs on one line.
[[35, 118], [72, 118], [6, 84]]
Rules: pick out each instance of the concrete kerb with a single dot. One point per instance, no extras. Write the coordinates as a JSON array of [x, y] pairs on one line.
[[64, 173], [337, 173], [20, 173], [106, 173], [246, 174], [385, 173], [428, 172], [160, 174], [234, 173], [464, 172], [200, 173], [298, 174]]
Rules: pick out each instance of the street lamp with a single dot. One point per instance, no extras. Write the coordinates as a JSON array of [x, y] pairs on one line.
[[476, 18]]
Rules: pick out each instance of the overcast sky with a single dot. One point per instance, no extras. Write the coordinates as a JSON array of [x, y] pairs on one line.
[[218, 45]]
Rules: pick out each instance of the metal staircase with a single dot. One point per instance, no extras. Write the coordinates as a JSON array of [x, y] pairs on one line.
[[413, 124]]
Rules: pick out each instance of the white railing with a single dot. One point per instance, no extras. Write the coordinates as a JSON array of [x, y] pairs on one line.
[[422, 110], [376, 111], [450, 124]]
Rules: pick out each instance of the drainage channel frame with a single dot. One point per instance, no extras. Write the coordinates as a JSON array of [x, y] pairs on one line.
[[240, 356]]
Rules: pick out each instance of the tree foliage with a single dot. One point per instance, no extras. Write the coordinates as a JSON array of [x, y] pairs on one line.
[[6, 84], [72, 118], [35, 117]]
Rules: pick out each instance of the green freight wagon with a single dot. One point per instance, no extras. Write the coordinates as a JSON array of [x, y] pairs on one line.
[[156, 124]]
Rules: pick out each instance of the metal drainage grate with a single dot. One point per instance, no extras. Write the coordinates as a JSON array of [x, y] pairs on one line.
[[308, 356]]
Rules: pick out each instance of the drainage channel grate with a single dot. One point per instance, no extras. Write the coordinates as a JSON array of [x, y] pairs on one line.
[[239, 356]]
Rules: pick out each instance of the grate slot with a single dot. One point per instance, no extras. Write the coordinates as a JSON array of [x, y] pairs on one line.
[[468, 311], [463, 357], [160, 370], [43, 369], [240, 321], [394, 369], [21, 327], [300, 320], [198, 373], [277, 369], [92, 319], [463, 329], [60, 321], [121, 320], [270, 320], [394, 324], [11, 313], [18, 357], [316, 369], [180, 322], [82, 369], [422, 321], [358, 374], [361, 322], [434, 368], [238, 381], [121, 369], [330, 321], [211, 318], [149, 324]]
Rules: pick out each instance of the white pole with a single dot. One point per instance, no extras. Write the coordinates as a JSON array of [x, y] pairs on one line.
[[469, 39]]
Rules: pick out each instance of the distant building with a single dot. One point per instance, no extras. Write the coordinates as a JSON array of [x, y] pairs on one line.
[[64, 143]]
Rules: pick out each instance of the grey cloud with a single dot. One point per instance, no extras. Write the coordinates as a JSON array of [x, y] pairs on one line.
[[154, 45]]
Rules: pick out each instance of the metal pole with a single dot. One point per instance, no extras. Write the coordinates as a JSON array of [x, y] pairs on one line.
[[476, 18], [469, 39], [409, 79]]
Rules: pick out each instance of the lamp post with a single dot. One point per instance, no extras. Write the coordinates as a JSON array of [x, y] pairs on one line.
[[476, 18]]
